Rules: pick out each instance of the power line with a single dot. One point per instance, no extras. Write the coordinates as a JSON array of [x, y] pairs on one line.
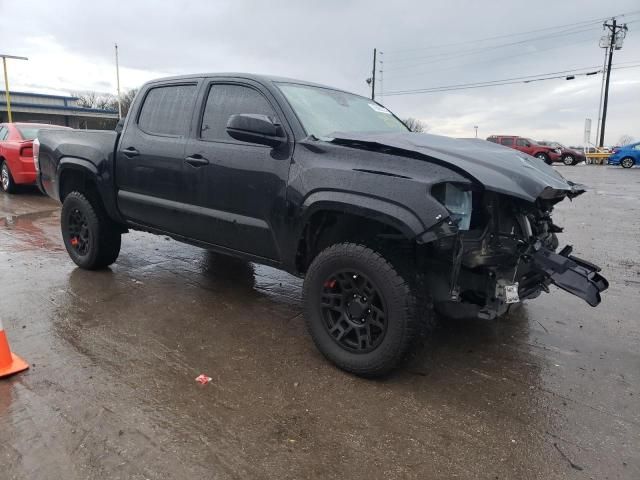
[[451, 55], [488, 60], [562, 73], [508, 81], [515, 34]]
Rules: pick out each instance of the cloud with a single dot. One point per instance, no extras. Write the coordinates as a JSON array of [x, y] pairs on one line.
[[70, 47]]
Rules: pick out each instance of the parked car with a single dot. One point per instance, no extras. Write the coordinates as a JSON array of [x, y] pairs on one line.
[[528, 146], [16, 153], [626, 156], [568, 155], [383, 224]]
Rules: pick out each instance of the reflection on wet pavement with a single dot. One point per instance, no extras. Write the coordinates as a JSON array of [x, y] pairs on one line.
[[551, 391]]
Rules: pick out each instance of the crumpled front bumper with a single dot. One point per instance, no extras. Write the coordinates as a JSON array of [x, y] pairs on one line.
[[571, 274]]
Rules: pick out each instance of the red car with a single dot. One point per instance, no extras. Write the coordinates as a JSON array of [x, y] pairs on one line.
[[526, 145], [16, 153]]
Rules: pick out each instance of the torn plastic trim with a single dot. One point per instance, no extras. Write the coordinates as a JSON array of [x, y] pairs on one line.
[[572, 274], [445, 228], [553, 193]]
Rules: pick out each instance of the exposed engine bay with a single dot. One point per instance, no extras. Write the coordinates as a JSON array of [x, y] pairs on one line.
[[496, 250]]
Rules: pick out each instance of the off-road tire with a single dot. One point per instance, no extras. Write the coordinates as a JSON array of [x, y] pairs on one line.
[[403, 323], [630, 162], [7, 183], [103, 243]]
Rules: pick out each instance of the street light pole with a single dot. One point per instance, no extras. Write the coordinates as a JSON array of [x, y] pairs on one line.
[[476, 127], [6, 82], [118, 84], [373, 76]]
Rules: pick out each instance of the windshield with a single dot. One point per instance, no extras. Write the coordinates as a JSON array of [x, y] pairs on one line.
[[323, 111]]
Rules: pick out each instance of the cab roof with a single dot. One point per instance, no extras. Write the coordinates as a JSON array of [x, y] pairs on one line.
[[247, 76]]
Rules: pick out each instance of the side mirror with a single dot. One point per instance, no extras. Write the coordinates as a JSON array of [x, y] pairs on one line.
[[255, 128]]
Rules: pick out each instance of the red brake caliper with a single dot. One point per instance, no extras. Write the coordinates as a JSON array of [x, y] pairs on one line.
[[74, 241], [329, 284]]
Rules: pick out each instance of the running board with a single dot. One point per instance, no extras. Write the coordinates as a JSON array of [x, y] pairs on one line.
[[571, 274]]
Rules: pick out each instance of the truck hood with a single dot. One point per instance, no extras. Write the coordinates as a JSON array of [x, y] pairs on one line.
[[499, 169]]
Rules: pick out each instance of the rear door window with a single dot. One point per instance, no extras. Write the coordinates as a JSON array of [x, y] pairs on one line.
[[225, 100], [521, 142], [167, 110], [507, 141]]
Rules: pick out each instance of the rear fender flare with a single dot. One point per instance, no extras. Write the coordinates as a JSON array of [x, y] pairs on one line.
[[102, 180], [73, 164]]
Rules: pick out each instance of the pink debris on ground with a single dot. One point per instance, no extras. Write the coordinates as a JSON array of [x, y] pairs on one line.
[[203, 379]]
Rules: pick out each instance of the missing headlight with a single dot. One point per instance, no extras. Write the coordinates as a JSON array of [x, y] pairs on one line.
[[457, 201]]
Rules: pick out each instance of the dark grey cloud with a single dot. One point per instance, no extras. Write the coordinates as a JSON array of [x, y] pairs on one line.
[[331, 42]]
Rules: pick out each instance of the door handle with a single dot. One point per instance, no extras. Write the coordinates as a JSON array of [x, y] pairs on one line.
[[196, 160], [131, 152]]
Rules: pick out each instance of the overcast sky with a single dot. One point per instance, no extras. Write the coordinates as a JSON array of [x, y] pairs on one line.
[[424, 43]]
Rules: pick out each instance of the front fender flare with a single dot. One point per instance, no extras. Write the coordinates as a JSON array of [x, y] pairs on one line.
[[374, 208]]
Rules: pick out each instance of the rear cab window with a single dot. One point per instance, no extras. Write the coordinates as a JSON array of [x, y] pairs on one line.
[[167, 110]]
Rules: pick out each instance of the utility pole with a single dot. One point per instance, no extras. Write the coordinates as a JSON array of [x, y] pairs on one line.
[[615, 43], [381, 71], [373, 76], [118, 84], [604, 68], [6, 82]]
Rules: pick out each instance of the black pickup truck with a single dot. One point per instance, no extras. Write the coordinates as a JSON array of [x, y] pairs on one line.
[[386, 226]]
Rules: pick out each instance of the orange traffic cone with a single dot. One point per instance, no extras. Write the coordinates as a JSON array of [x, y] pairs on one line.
[[9, 363]]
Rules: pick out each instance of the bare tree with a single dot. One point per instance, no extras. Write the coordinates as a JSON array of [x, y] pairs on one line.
[[625, 140], [86, 99], [126, 100], [106, 101], [416, 125]]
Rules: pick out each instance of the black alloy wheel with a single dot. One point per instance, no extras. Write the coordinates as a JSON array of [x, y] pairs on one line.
[[353, 311], [364, 313], [78, 232]]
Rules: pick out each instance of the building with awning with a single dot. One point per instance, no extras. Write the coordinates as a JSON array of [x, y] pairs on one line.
[[55, 110]]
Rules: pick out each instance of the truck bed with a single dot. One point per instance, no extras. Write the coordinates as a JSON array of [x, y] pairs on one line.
[[91, 148]]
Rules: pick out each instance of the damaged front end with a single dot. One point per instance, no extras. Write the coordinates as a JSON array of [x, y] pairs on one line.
[[498, 244], [496, 250]]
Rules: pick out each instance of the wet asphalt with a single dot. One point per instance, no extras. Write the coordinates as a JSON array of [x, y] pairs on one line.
[[551, 391]]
